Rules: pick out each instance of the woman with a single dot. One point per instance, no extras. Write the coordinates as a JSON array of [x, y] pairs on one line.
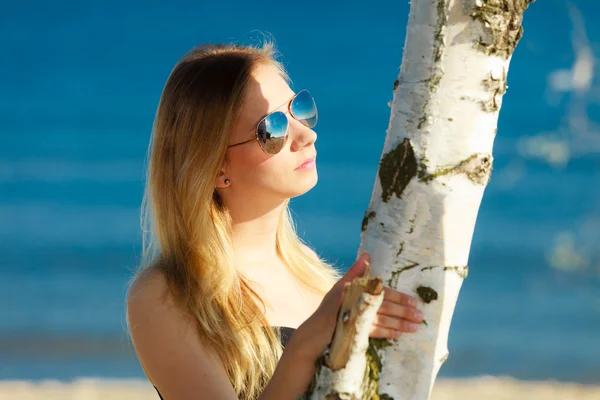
[[227, 280]]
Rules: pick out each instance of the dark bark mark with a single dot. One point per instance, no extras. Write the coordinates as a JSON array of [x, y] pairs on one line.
[[396, 170], [395, 274], [478, 168], [401, 249], [427, 294], [369, 215], [462, 271], [438, 51]]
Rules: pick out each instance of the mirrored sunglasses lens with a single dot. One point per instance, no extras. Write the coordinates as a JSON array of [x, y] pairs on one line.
[[304, 108], [271, 132]]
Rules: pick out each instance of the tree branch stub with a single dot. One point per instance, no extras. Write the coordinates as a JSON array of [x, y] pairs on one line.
[[352, 307]]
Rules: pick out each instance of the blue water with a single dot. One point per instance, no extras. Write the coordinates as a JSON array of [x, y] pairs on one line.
[[79, 84]]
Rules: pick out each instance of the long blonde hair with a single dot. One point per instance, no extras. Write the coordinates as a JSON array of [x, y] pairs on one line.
[[187, 229]]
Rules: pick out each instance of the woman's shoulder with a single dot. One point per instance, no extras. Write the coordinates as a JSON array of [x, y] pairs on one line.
[[149, 300], [168, 344], [148, 286]]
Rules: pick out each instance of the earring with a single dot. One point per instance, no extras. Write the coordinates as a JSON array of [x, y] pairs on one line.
[[227, 181]]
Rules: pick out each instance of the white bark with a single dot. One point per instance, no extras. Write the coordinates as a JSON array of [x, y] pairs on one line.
[[435, 165], [445, 111]]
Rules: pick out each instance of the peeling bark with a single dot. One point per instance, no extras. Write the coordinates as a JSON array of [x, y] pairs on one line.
[[503, 22], [497, 87]]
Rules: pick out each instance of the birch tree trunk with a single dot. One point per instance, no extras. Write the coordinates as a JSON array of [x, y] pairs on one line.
[[435, 165]]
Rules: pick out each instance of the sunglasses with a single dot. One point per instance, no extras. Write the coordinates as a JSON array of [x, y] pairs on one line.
[[271, 131]]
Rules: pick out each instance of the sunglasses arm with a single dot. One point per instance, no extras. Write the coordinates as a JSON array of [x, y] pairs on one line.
[[244, 142]]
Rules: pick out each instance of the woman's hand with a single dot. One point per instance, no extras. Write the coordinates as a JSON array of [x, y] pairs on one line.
[[315, 334], [296, 367], [397, 314]]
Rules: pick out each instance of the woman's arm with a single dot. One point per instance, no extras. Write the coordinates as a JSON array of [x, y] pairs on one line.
[[293, 374], [181, 367]]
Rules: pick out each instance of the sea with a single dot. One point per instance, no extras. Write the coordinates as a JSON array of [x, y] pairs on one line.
[[80, 82]]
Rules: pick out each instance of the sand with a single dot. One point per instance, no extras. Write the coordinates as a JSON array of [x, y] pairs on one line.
[[482, 388]]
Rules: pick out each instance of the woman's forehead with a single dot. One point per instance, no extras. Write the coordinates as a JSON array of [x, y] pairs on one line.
[[267, 92]]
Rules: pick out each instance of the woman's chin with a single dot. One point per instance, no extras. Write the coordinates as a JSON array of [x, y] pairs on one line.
[[304, 184]]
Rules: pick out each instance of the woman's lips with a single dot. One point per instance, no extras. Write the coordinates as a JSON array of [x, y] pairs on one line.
[[307, 164]]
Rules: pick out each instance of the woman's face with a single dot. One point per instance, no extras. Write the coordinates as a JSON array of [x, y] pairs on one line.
[[252, 171]]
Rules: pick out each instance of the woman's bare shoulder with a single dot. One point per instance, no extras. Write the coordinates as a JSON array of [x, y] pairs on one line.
[[168, 344], [148, 286]]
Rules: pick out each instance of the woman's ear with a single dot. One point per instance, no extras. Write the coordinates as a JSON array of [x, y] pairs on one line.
[[222, 181]]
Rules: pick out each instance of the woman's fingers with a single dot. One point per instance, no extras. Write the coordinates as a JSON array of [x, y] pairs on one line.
[[399, 324], [399, 311], [379, 332], [399, 297]]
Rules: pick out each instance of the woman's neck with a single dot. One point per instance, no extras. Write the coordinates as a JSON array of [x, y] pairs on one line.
[[255, 239]]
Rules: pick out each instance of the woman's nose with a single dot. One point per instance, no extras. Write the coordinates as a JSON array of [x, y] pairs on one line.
[[301, 136]]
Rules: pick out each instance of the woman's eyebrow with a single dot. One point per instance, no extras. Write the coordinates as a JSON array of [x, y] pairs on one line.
[[282, 104], [285, 102], [271, 112]]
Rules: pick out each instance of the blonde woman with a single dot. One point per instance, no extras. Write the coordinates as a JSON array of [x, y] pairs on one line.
[[226, 281]]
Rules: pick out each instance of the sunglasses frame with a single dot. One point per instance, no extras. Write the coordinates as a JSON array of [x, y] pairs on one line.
[[289, 108]]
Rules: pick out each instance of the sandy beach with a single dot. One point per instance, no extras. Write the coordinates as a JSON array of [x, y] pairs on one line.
[[487, 388]]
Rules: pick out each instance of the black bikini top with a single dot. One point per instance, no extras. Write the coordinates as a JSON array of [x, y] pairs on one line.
[[286, 334]]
